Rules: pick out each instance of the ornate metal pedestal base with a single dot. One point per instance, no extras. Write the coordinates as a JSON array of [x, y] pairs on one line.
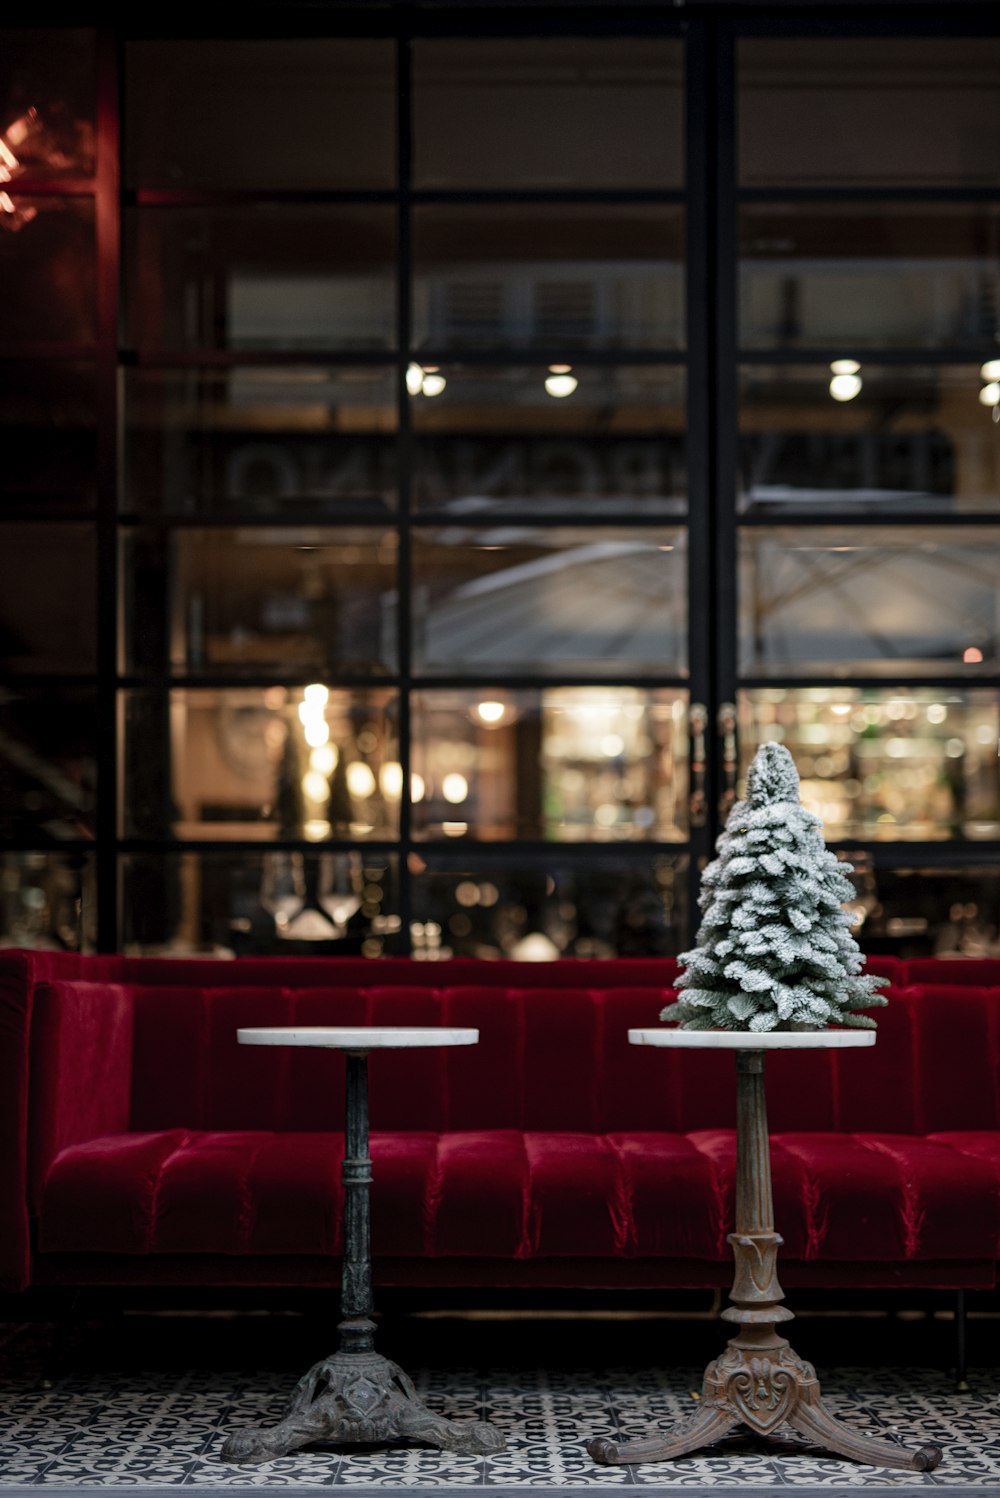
[[759, 1381], [762, 1383], [358, 1397]]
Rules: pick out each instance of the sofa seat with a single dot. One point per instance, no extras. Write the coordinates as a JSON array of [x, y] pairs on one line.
[[839, 1197]]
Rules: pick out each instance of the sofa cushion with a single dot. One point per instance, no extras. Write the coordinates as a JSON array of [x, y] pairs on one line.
[[503, 1193], [885, 1197]]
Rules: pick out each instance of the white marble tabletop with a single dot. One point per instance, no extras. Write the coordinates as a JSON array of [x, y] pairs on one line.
[[357, 1037], [750, 1040]]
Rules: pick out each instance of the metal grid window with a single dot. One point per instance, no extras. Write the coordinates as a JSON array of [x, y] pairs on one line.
[[441, 449]]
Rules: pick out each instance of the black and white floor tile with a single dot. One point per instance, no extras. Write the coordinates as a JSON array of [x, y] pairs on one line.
[[156, 1428]]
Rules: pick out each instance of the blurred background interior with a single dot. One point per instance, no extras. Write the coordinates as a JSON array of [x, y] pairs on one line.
[[440, 446]]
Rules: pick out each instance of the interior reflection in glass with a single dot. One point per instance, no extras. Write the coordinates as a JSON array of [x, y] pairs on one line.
[[570, 764], [817, 600], [916, 763]]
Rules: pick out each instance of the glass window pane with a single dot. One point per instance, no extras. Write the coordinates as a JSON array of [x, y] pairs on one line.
[[524, 600], [48, 901], [274, 904], [48, 763], [261, 441], [918, 599], [850, 277], [919, 439], [315, 112], [552, 277], [572, 764], [263, 601], [48, 598], [270, 762], [47, 101], [265, 276], [869, 111], [926, 912], [887, 763], [47, 428], [549, 112], [606, 904], [47, 256], [610, 439]]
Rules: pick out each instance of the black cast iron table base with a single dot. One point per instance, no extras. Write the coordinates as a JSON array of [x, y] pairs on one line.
[[356, 1394], [358, 1397]]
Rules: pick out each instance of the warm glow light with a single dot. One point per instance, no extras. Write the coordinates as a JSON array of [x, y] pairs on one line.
[[560, 368], [844, 366], [490, 712], [433, 384], [454, 788], [844, 387], [16, 216], [454, 829], [390, 778], [15, 135], [315, 786], [360, 779], [972, 656], [316, 694], [317, 733], [612, 745], [561, 385], [990, 370], [324, 760], [417, 787], [22, 127], [937, 712], [990, 394], [840, 708], [535, 947], [414, 378]]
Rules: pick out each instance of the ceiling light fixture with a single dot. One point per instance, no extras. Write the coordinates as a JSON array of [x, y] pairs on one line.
[[846, 381], [560, 382]]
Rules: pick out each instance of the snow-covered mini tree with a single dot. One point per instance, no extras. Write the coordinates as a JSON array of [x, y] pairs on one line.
[[774, 951]]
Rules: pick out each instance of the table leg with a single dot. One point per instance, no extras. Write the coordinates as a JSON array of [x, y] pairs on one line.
[[356, 1394], [759, 1380]]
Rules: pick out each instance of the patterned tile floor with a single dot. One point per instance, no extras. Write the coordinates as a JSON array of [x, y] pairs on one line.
[[147, 1403]]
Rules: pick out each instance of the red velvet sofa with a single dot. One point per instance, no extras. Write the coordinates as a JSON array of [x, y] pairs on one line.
[[140, 1144]]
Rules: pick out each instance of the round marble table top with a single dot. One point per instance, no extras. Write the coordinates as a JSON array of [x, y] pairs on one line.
[[357, 1037], [750, 1040]]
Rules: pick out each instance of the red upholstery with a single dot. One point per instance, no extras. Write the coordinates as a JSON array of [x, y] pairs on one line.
[[507, 1193], [147, 1133]]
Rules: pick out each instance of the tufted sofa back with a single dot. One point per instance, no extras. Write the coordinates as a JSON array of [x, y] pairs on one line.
[[156, 1042], [548, 1059]]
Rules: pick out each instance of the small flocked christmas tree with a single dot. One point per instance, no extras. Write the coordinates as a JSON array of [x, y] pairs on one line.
[[774, 949]]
